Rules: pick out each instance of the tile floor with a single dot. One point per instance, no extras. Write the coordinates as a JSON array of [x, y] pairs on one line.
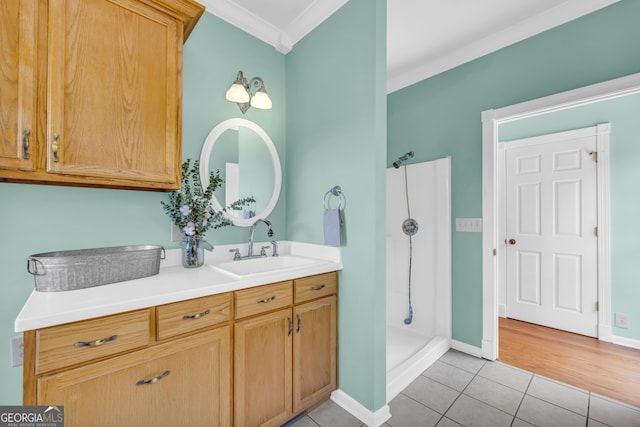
[[462, 390]]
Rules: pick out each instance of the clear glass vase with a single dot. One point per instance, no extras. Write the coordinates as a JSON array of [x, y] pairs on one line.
[[192, 251]]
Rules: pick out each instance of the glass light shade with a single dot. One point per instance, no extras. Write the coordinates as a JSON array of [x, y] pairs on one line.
[[261, 100], [237, 93]]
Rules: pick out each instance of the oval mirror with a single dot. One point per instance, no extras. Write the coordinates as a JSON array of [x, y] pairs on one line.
[[249, 164]]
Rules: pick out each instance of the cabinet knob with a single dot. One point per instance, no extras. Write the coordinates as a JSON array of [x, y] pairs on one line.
[[54, 147], [512, 241], [25, 144]]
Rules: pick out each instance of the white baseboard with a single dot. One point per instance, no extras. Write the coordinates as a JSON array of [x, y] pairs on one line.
[[502, 310], [349, 404], [627, 342], [466, 348], [605, 333]]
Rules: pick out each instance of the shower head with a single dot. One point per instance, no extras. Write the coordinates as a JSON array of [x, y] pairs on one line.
[[402, 159]]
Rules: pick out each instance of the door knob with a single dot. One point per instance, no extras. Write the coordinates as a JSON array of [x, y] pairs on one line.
[[512, 241]]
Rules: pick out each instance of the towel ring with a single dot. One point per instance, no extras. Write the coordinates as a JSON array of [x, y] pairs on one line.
[[336, 192]]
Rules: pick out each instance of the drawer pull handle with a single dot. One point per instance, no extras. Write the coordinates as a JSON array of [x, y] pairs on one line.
[[317, 288], [154, 379], [299, 323], [96, 343], [260, 301], [197, 315], [290, 325]]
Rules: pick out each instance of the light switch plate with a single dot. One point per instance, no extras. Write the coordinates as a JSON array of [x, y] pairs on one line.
[[472, 225]]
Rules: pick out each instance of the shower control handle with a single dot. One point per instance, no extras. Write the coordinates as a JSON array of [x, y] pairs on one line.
[[512, 241]]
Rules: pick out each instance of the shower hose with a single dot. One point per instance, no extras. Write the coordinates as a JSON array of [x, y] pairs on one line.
[[409, 319]]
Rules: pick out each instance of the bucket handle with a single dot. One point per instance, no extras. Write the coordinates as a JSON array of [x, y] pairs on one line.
[[33, 263]]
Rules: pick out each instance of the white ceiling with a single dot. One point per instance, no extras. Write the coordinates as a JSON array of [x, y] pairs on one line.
[[424, 37]]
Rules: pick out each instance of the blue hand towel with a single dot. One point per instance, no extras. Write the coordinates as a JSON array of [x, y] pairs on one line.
[[332, 221]]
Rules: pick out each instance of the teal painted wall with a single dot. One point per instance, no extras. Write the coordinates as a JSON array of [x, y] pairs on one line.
[[336, 135], [213, 55], [624, 157], [440, 116], [37, 218]]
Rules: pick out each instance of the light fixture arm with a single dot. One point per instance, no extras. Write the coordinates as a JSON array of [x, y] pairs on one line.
[[257, 83]]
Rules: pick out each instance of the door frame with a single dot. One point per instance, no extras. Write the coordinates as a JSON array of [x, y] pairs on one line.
[[601, 132], [491, 262]]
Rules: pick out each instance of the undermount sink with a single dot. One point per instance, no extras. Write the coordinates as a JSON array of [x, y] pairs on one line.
[[247, 267]]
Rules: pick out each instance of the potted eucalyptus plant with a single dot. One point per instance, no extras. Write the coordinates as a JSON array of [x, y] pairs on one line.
[[190, 210]]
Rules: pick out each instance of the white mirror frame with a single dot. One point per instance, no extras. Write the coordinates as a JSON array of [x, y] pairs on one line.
[[491, 119], [205, 156]]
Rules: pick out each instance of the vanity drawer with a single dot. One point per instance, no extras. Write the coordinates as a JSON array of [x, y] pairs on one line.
[[313, 287], [186, 316], [74, 343], [263, 298]]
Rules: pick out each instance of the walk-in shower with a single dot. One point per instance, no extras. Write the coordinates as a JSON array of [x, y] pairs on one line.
[[418, 268]]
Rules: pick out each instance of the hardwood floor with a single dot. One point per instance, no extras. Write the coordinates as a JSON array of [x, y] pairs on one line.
[[603, 368]]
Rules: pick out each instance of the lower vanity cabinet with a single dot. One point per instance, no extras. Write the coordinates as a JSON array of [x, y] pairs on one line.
[[169, 365], [285, 360], [262, 380], [248, 358], [185, 382], [314, 352]]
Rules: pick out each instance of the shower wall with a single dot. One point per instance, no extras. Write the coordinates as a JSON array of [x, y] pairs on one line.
[[429, 198]]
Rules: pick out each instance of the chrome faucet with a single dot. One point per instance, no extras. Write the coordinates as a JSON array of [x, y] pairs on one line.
[[252, 231]]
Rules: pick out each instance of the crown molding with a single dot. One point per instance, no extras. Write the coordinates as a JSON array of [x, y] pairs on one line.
[[282, 39], [248, 22], [558, 15], [311, 17]]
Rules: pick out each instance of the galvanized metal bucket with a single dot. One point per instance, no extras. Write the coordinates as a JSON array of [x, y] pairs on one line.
[[85, 268]]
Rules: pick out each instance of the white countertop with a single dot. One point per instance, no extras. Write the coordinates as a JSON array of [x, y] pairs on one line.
[[173, 283]]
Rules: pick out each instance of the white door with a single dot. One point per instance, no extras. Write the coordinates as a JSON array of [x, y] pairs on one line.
[[551, 235]]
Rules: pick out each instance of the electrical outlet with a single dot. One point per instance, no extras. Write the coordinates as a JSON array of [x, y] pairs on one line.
[[622, 320], [17, 351]]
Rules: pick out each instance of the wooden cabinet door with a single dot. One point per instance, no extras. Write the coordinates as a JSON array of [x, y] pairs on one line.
[[186, 382], [114, 92], [263, 370], [314, 352], [18, 84]]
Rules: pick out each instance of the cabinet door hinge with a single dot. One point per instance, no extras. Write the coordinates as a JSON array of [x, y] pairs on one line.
[[595, 231], [595, 155], [597, 305], [495, 252]]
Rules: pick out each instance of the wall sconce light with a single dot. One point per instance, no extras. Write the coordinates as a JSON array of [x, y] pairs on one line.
[[240, 93]]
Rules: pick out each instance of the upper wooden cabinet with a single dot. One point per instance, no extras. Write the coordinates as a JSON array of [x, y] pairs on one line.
[[17, 84], [109, 103]]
